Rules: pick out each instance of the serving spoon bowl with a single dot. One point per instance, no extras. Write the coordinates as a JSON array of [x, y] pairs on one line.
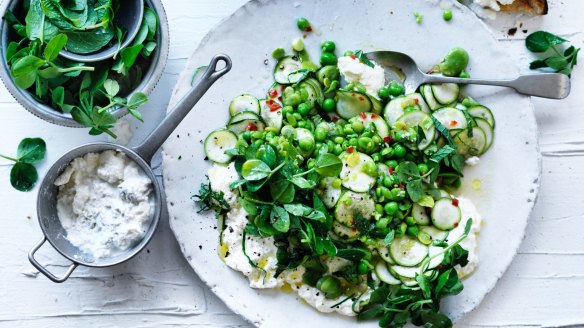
[[399, 66], [47, 213], [129, 17]]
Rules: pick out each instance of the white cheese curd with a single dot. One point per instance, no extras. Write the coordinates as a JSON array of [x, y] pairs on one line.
[[493, 4], [123, 131], [472, 161], [104, 203], [353, 70], [470, 243], [220, 177]]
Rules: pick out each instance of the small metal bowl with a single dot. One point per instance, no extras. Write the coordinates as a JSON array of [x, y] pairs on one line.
[[55, 116], [47, 213]]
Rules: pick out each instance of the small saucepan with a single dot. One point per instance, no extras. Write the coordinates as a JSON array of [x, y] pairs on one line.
[[142, 155]]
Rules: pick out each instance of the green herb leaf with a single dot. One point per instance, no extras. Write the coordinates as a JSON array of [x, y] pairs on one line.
[[31, 150], [111, 87], [280, 219], [353, 254], [388, 238], [415, 189], [282, 190], [302, 183], [24, 71], [444, 132], [23, 176], [86, 42], [130, 54], [254, 169], [328, 165], [407, 171], [362, 58], [541, 41], [54, 47]]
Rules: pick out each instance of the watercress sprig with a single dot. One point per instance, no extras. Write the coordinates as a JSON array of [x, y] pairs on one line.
[[23, 175], [562, 62]]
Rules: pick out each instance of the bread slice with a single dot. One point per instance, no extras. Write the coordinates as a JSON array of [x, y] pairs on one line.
[[534, 7]]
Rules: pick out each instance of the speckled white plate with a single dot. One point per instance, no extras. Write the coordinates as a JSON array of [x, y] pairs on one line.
[[508, 174]]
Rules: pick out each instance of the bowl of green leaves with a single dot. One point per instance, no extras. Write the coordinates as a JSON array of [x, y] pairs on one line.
[[94, 94]]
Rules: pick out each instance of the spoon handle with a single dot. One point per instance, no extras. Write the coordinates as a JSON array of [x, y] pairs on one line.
[[545, 85], [151, 144]]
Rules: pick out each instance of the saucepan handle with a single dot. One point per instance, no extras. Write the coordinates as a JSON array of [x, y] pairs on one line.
[[149, 147], [44, 270]]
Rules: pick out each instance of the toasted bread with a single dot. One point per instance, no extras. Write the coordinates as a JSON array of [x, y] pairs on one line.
[[534, 7]]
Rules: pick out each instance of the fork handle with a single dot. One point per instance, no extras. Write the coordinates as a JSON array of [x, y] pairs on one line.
[[545, 85]]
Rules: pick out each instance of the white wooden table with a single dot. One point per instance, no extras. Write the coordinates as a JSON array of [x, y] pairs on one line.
[[543, 286]]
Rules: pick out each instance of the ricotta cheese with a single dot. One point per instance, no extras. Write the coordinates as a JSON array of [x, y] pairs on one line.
[[472, 161], [353, 70], [104, 203], [470, 243]]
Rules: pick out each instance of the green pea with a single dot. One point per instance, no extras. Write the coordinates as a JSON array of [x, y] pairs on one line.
[[338, 140], [287, 110], [306, 144], [331, 145], [399, 150], [353, 142], [376, 139], [320, 134], [397, 193], [348, 53], [387, 181], [297, 44], [395, 89], [292, 99], [367, 134], [258, 142], [302, 124], [338, 150], [278, 53], [387, 193], [247, 135], [328, 46], [303, 108], [241, 143], [347, 129], [345, 144], [270, 135], [303, 24], [257, 135], [464, 75], [363, 267], [410, 220], [327, 58], [402, 228], [376, 157], [365, 143], [337, 183], [329, 105], [413, 231], [369, 168], [330, 286], [303, 94], [387, 152], [454, 63], [327, 74], [391, 163], [274, 142], [383, 92], [423, 168], [297, 116], [390, 208], [447, 15], [378, 207], [359, 87], [381, 223]]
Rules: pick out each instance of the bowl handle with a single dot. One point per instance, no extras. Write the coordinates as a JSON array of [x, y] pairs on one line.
[[149, 146], [44, 270]]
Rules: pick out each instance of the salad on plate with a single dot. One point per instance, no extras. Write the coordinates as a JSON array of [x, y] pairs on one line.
[[338, 187]]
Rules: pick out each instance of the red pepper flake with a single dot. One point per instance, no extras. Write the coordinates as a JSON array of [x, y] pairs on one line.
[[308, 29], [269, 102], [362, 98], [401, 186], [455, 224], [274, 107], [280, 98], [251, 127], [354, 229], [273, 93], [374, 115], [453, 123], [350, 149], [439, 266], [353, 56], [454, 202], [334, 119], [416, 101], [362, 114], [388, 139], [353, 95], [391, 170]]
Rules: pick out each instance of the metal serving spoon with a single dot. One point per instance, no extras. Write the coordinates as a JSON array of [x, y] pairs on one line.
[[142, 155], [545, 85], [129, 17]]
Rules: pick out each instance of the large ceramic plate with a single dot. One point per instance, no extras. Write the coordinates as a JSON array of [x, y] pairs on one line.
[[508, 174]]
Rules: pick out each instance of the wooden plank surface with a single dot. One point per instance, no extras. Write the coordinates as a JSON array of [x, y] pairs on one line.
[[543, 286]]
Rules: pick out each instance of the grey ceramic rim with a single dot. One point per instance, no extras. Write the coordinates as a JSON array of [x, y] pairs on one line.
[[51, 225], [149, 81]]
